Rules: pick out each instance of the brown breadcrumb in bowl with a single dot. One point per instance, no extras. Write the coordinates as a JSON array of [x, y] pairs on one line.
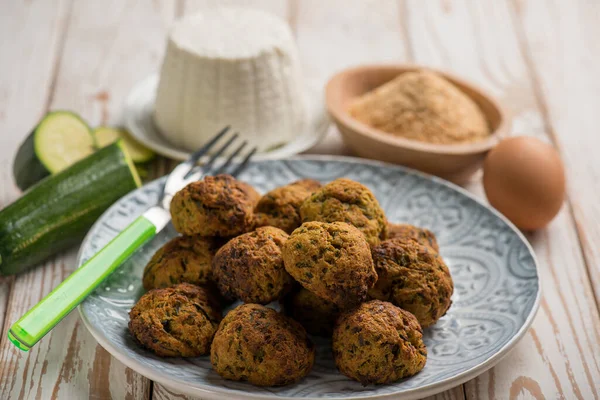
[[281, 206], [215, 206], [344, 200], [378, 343], [421, 235], [182, 259], [250, 267], [332, 260], [261, 346], [424, 106], [414, 277], [179, 321], [315, 314]]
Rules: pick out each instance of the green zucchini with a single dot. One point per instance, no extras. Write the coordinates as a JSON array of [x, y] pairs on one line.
[[56, 212], [105, 135], [59, 140]]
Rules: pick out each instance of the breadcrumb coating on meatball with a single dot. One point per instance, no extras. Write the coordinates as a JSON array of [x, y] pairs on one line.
[[332, 260], [378, 343], [261, 346], [344, 200]]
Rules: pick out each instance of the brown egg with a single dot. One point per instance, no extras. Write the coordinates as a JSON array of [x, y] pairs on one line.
[[524, 179]]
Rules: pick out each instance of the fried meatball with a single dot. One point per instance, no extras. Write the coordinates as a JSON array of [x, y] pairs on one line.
[[378, 343], [259, 345], [182, 259], [252, 193], [316, 315], [347, 201], [250, 267], [215, 206], [413, 277], [421, 235], [281, 206], [332, 260], [179, 321]]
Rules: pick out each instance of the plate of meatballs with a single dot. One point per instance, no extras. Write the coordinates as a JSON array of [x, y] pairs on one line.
[[315, 277]]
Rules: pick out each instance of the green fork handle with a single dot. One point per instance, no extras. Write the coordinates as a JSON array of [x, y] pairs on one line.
[[45, 315]]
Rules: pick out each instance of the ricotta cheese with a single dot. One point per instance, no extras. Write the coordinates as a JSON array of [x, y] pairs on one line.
[[230, 66]]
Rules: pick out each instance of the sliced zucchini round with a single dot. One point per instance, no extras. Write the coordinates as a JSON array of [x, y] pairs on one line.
[[59, 140], [105, 135]]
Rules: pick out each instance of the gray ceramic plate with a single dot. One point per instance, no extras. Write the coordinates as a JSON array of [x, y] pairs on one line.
[[496, 285]]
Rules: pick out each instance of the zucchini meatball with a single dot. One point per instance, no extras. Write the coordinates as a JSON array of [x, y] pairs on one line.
[[182, 259], [179, 321], [281, 206], [378, 343], [215, 206], [332, 260], [250, 267], [344, 200], [316, 315], [413, 277], [259, 345], [421, 235]]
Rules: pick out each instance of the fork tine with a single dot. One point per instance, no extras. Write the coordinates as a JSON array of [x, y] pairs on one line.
[[204, 149], [206, 167], [243, 164], [228, 162]]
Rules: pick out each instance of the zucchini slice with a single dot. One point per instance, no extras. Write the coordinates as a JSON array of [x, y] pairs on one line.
[[56, 212], [59, 140], [105, 135]]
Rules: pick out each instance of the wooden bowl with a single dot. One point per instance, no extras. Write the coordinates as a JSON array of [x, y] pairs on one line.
[[456, 162]]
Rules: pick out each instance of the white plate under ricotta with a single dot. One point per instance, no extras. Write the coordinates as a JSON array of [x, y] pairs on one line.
[[139, 120]]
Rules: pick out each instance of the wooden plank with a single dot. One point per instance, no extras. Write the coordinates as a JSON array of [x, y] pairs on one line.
[[333, 35], [558, 357], [160, 392], [26, 75], [105, 57], [563, 51], [32, 35], [276, 7], [109, 46]]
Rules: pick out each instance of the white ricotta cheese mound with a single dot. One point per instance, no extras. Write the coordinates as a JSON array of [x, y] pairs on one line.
[[230, 66]]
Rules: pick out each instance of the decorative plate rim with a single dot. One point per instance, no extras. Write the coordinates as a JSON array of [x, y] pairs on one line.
[[215, 392], [321, 121]]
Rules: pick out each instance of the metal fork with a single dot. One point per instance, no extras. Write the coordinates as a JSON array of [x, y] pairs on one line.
[[44, 316]]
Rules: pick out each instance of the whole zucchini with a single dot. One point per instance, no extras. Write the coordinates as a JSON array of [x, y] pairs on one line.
[[56, 212]]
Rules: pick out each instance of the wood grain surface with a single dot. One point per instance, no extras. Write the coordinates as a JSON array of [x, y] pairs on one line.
[[539, 58]]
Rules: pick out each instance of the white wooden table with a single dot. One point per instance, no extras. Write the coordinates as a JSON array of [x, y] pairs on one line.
[[541, 58]]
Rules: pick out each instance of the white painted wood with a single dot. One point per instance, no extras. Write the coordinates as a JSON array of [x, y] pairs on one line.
[[104, 57], [564, 53], [30, 38], [26, 72], [559, 355], [277, 7], [332, 36], [109, 45]]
